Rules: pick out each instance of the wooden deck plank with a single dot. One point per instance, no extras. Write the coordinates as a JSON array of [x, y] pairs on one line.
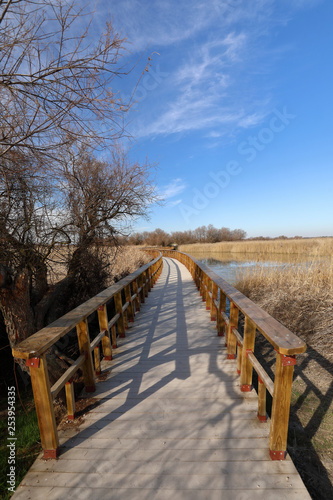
[[89, 493], [171, 422]]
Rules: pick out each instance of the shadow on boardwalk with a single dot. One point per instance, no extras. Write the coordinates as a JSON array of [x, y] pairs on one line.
[[312, 406], [172, 422]]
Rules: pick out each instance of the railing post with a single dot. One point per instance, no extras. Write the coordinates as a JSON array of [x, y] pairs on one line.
[[142, 292], [222, 307], [146, 282], [213, 313], [233, 323], [239, 357], [44, 406], [104, 325], [284, 369], [130, 312], [70, 399], [248, 345], [153, 275], [199, 279], [261, 401], [203, 286], [114, 337], [137, 298], [119, 310], [97, 360], [84, 345], [208, 297]]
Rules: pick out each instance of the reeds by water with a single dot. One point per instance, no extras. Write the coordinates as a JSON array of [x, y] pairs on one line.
[[304, 246], [299, 296]]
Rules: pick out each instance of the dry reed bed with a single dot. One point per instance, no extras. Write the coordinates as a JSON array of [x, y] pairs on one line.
[[311, 246], [125, 261], [299, 296], [122, 261]]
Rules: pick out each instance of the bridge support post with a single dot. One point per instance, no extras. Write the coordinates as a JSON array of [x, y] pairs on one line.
[[142, 292], [146, 283], [231, 340], [44, 406], [114, 337], [213, 310], [203, 289], [222, 307], [239, 357], [284, 369], [84, 345], [130, 312], [248, 345], [104, 325], [261, 401], [119, 310], [70, 399], [137, 298], [208, 294]]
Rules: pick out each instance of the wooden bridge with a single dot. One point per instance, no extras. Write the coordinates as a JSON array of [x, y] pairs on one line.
[[177, 416]]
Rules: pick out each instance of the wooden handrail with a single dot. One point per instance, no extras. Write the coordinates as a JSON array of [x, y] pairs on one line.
[[39, 342], [134, 287], [214, 291]]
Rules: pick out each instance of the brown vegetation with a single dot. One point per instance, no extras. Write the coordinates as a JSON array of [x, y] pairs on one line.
[[300, 296], [297, 246], [203, 234]]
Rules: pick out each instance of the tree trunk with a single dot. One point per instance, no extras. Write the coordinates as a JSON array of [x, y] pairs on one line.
[[16, 309]]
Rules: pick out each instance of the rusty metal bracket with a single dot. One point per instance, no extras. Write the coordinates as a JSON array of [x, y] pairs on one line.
[[33, 362], [288, 360]]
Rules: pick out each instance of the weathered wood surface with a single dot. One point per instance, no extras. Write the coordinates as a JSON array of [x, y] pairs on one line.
[[172, 423]]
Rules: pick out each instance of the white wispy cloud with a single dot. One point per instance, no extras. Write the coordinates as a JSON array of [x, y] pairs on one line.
[[200, 87], [174, 188], [210, 56], [172, 204]]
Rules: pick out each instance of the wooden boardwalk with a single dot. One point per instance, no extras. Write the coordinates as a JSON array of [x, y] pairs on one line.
[[172, 423]]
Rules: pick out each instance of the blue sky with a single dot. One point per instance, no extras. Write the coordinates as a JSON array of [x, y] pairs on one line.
[[237, 109]]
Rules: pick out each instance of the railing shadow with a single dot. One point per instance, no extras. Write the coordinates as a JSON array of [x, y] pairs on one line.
[[132, 384], [301, 435]]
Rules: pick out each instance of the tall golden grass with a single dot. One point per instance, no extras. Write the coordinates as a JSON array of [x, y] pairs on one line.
[[123, 261], [309, 246], [299, 296]]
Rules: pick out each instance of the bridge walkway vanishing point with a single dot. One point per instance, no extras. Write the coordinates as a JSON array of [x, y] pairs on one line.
[[172, 422]]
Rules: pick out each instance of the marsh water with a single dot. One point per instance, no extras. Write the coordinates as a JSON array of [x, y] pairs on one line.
[[229, 266]]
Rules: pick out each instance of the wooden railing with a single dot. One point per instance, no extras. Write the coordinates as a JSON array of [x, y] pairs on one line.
[[215, 291], [123, 300]]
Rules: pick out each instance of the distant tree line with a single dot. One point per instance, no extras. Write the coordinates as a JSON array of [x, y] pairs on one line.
[[202, 234]]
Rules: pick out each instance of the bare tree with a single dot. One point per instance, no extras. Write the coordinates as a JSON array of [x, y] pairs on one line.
[[58, 106], [84, 201], [55, 78]]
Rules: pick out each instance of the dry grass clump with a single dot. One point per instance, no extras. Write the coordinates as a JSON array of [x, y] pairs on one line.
[[299, 296], [124, 261], [309, 246]]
